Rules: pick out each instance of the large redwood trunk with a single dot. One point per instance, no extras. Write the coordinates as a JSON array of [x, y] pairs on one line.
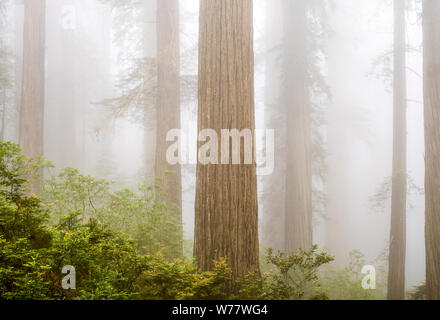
[[226, 209], [32, 101]]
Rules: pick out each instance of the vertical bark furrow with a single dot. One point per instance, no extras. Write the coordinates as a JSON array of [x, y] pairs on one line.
[[226, 224], [431, 30], [168, 102], [298, 224], [32, 102]]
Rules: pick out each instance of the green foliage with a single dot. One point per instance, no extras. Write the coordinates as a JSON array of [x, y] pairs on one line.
[[84, 224], [23, 236], [22, 271], [181, 280], [293, 277], [108, 265], [21, 215], [23, 219], [72, 198], [17, 172], [417, 293], [346, 283]]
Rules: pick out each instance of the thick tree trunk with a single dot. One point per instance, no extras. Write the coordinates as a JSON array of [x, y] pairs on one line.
[[32, 101], [397, 249], [298, 224], [168, 100], [431, 30], [226, 208]]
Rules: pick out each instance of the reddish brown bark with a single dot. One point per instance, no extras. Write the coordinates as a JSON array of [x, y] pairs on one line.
[[32, 101], [226, 209], [431, 30], [397, 248]]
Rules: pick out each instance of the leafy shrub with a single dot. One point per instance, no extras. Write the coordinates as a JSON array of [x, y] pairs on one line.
[[417, 293], [108, 265], [22, 271], [72, 197], [346, 283], [181, 280], [84, 224], [293, 277]]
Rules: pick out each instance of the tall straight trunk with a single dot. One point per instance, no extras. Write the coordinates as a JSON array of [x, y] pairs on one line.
[[338, 141], [431, 40], [226, 208], [62, 82], [397, 249], [168, 100], [298, 223], [274, 193], [32, 101]]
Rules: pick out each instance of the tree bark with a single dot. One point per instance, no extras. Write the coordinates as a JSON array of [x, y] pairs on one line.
[[274, 193], [62, 82], [32, 101], [226, 208], [397, 246], [431, 39], [168, 101], [288, 190], [298, 224]]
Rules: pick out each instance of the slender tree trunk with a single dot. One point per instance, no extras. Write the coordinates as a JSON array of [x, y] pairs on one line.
[[431, 30], [32, 101], [338, 140], [149, 52], [226, 208], [298, 224], [274, 193], [397, 249], [62, 82], [168, 100]]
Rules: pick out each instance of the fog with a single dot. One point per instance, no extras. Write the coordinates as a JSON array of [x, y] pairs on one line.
[[91, 46]]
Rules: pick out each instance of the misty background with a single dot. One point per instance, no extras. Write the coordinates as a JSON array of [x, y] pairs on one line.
[[86, 51]]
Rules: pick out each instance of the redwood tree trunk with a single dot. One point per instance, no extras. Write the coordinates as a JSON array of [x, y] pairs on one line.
[[298, 223], [274, 193], [32, 101], [62, 81], [431, 30], [397, 249], [226, 209], [168, 100]]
